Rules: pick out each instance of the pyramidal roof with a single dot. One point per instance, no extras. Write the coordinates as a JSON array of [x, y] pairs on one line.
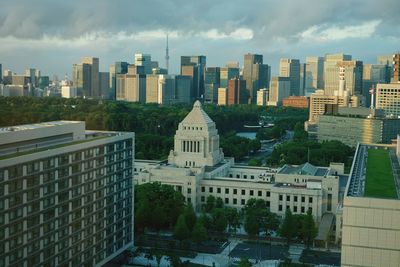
[[197, 115]]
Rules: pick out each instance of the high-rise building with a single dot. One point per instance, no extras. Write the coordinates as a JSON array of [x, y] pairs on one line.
[[303, 77], [151, 88], [256, 74], [314, 73], [371, 208], [228, 73], [372, 75], [145, 61], [44, 81], [94, 75], [1, 73], [296, 102], [396, 68], [31, 74], [195, 66], [291, 68], [237, 93], [211, 84], [222, 96], [278, 90], [69, 194], [104, 84], [116, 68], [385, 60], [388, 98], [81, 79], [184, 89], [131, 87], [68, 90], [262, 97], [166, 90]]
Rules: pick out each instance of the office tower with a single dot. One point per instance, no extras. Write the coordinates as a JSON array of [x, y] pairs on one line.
[[20, 80], [31, 74], [94, 75], [256, 74], [134, 69], [232, 64], [44, 82], [296, 102], [7, 77], [68, 90], [69, 194], [222, 96], [262, 97], [151, 88], [396, 68], [303, 76], [81, 79], [314, 73], [385, 60], [388, 98], [226, 74], [166, 90], [1, 73], [291, 68], [145, 61], [278, 90], [211, 84], [119, 67], [371, 208], [194, 66], [372, 75], [104, 84], [131, 87], [237, 93], [184, 89]]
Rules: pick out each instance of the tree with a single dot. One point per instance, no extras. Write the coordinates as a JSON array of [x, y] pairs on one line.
[[309, 230], [254, 162], [244, 262], [219, 204], [287, 229], [190, 216], [252, 225], [199, 233], [219, 220], [181, 231], [210, 203], [233, 217]]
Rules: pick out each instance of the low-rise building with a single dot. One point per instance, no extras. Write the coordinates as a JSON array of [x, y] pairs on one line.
[[296, 102]]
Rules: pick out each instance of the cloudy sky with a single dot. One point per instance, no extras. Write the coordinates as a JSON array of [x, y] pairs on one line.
[[53, 34]]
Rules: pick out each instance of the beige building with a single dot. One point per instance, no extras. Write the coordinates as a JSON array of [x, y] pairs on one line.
[[66, 195], [279, 89], [131, 87], [222, 96], [262, 97], [388, 98], [371, 220], [197, 168], [314, 73]]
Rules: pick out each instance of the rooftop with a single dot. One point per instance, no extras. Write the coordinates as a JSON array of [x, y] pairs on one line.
[[25, 127], [197, 115], [374, 172], [304, 169]]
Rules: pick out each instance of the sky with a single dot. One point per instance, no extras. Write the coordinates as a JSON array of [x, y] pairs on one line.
[[51, 35]]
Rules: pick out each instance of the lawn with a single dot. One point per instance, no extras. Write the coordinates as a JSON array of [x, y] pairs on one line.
[[379, 180]]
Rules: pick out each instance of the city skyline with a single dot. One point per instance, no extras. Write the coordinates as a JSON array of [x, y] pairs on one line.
[[53, 35]]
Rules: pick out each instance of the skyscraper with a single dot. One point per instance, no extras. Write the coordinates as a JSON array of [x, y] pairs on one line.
[[144, 60], [332, 64], [94, 75], [372, 75], [104, 84], [116, 68], [211, 84], [184, 89], [81, 78], [314, 73], [396, 68], [31, 74], [388, 99], [291, 68], [226, 74], [256, 74], [278, 90], [131, 87], [69, 196], [1, 73], [194, 66], [237, 93]]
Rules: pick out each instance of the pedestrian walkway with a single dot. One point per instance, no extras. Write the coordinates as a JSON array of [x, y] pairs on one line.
[[230, 247], [295, 253]]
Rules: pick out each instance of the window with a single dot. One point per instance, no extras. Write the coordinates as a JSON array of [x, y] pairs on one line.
[[295, 198], [259, 193], [235, 191], [226, 200], [210, 189], [237, 176], [218, 190], [243, 202], [280, 208], [310, 209], [230, 175], [226, 190], [202, 199], [203, 189], [295, 209], [252, 176], [287, 207], [280, 197], [302, 209], [251, 192], [268, 193], [189, 190], [303, 199], [329, 205], [288, 198], [243, 192], [245, 176], [310, 200], [234, 201]]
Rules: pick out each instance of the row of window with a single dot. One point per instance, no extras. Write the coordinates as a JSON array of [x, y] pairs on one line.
[[295, 198], [234, 191], [234, 201]]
